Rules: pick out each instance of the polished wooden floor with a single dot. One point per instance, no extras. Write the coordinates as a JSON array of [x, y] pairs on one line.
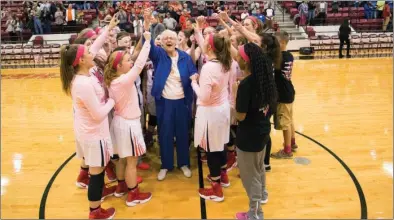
[[346, 105]]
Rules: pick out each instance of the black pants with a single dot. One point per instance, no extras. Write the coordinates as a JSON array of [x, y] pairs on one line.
[[267, 152], [215, 162], [341, 42]]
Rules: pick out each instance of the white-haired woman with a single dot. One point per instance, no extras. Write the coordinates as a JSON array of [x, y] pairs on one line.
[[173, 97]]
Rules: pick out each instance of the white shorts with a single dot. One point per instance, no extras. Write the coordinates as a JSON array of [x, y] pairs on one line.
[[96, 153], [127, 137], [212, 127]]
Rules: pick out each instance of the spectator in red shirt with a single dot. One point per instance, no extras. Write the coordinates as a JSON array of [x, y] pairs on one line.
[[184, 17], [386, 15]]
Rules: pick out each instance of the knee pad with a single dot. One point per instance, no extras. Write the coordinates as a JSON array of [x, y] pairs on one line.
[[95, 189]]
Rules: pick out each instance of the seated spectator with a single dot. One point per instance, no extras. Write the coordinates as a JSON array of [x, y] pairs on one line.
[[259, 14], [254, 8], [201, 8]]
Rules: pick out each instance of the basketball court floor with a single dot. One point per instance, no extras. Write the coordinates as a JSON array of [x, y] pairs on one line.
[[343, 169]]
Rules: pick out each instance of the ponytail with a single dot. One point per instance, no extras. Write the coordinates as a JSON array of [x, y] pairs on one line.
[[222, 47], [67, 71], [272, 47]]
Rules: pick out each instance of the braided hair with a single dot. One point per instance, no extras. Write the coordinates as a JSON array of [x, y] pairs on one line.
[[271, 46], [263, 73]]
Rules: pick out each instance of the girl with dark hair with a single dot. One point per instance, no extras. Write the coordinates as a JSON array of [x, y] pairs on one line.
[[212, 124], [126, 129], [93, 140], [255, 95], [94, 45]]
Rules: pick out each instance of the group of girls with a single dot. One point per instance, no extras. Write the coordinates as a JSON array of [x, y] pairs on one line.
[[234, 84]]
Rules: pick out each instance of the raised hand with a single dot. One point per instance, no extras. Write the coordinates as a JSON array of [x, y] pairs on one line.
[[201, 21], [147, 36], [224, 16], [114, 21]]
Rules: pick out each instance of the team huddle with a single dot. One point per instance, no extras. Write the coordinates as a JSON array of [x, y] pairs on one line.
[[217, 89]]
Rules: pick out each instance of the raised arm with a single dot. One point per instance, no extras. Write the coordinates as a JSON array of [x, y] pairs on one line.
[[250, 36], [136, 70], [198, 30], [99, 42], [154, 50], [87, 95]]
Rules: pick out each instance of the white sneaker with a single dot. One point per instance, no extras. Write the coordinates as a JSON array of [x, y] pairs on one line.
[[162, 174], [186, 171]]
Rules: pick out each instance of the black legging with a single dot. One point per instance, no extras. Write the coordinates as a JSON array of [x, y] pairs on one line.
[[215, 162], [341, 42]]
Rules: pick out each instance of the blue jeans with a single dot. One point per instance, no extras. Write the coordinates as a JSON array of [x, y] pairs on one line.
[[311, 15], [37, 26]]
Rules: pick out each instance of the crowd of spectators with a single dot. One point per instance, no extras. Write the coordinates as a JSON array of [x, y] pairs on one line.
[[40, 16]]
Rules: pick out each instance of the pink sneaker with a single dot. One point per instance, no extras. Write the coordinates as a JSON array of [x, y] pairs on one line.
[[241, 215]]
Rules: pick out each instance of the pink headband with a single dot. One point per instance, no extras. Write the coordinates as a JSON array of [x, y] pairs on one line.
[[89, 34], [211, 42], [117, 60], [254, 19], [80, 51], [243, 54]]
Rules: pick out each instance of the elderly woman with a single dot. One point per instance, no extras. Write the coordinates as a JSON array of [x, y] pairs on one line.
[[173, 96]]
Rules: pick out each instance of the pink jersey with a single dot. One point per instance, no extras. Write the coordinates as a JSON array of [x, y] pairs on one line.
[[234, 71], [123, 90], [90, 113], [212, 89]]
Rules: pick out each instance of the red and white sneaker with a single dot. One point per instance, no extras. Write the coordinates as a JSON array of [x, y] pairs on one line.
[[135, 197], [143, 166], [109, 170], [121, 189], [224, 181], [215, 193], [231, 160], [101, 213], [83, 179], [108, 191]]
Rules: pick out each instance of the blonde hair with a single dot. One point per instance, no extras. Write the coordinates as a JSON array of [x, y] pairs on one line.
[[109, 72]]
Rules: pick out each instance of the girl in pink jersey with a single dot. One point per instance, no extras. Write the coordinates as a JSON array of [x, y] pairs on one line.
[[95, 44], [91, 127], [126, 127], [212, 124]]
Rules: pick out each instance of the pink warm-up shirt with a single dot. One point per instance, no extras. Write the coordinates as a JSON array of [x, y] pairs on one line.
[[123, 90], [213, 87], [90, 113]]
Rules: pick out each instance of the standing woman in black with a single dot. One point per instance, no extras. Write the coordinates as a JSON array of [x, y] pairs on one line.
[[344, 32]]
